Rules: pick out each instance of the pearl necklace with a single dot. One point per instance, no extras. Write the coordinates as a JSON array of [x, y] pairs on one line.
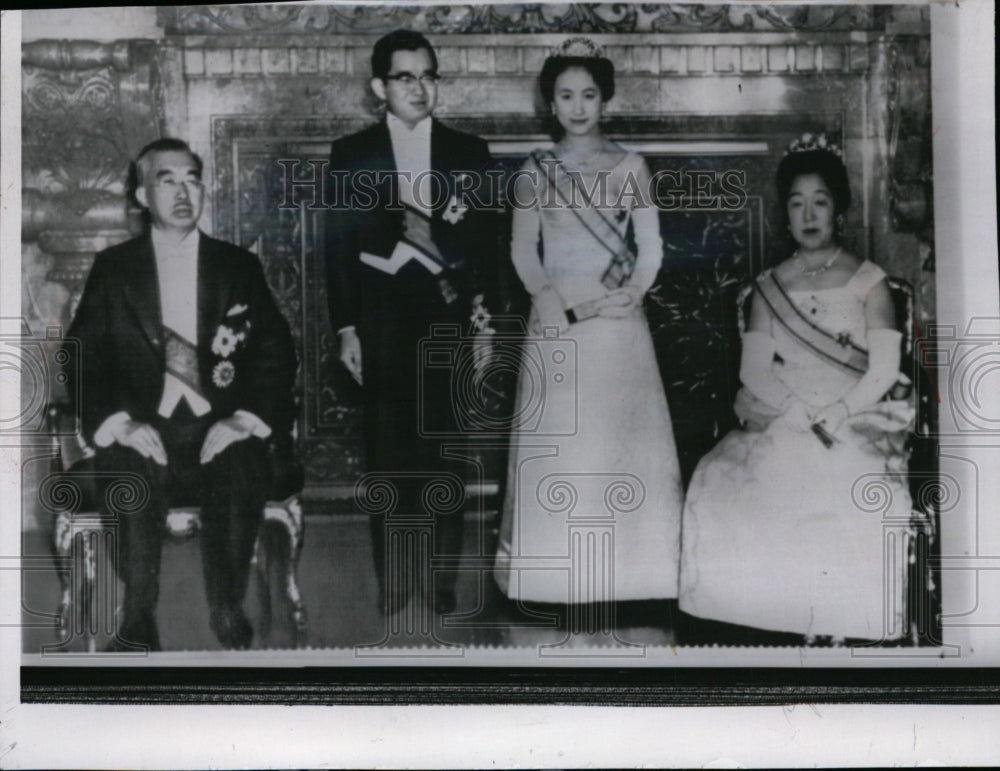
[[811, 272]]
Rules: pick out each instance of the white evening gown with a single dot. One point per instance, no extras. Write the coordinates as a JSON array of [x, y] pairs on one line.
[[594, 497], [782, 533]]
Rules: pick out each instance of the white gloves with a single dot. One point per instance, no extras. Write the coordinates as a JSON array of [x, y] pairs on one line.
[[883, 370], [756, 373]]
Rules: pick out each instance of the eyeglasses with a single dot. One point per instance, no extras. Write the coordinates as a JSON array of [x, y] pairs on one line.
[[409, 80], [172, 184]]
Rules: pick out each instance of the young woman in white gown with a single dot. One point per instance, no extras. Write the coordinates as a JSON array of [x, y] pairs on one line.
[[796, 524], [592, 511]]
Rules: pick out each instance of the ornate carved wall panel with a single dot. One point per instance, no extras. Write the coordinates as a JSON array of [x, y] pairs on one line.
[[87, 108], [515, 18]]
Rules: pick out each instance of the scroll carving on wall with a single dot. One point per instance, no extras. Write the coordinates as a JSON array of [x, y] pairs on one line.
[[87, 108], [527, 18]]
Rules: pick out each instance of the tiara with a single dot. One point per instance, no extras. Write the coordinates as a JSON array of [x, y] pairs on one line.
[[809, 141], [578, 48]]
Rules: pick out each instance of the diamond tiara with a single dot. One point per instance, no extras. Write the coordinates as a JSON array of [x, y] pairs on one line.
[[810, 141], [578, 48]]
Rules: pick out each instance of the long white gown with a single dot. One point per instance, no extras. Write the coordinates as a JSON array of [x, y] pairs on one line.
[[782, 533], [594, 497]]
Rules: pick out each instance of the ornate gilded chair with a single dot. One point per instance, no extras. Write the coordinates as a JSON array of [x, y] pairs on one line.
[[83, 540]]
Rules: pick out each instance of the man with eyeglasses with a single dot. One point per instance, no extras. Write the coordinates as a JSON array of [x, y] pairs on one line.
[[409, 249], [186, 368]]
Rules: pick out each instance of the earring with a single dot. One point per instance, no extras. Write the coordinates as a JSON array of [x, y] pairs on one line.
[[840, 223]]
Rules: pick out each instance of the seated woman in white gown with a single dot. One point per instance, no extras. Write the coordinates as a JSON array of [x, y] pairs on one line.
[[796, 523], [593, 503]]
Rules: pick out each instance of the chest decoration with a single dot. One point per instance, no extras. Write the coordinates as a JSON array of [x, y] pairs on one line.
[[229, 337], [456, 208]]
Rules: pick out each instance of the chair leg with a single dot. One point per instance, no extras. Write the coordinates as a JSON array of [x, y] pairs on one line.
[[63, 548], [77, 547], [262, 570], [292, 582], [922, 594], [88, 594], [287, 516]]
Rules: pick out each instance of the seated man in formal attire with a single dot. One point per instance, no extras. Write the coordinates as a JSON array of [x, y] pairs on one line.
[[186, 369], [403, 256]]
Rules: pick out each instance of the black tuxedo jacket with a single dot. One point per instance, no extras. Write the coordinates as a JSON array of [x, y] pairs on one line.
[[366, 216], [122, 356]]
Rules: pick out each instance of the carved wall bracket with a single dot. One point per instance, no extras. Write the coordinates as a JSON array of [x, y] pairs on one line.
[[87, 109]]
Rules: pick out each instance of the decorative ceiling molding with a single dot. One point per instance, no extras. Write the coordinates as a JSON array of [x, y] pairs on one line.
[[517, 18], [266, 58]]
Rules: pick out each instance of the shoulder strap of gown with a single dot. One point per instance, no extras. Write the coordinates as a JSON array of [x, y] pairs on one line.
[[865, 277]]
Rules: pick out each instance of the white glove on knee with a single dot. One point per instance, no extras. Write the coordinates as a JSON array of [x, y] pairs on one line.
[[883, 370], [756, 371]]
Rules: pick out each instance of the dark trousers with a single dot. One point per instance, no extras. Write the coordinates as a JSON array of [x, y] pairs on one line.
[[420, 537], [409, 422], [137, 492]]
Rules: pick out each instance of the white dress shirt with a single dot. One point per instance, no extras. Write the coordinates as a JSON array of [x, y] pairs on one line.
[[412, 150], [177, 275], [177, 271]]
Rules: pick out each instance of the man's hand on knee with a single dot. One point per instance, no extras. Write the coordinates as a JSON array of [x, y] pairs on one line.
[[224, 433], [142, 438]]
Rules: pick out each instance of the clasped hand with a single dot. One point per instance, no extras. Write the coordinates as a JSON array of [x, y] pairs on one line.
[[551, 312], [619, 303], [831, 416], [146, 440], [801, 417]]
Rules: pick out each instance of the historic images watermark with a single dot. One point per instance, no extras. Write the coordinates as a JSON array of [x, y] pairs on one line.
[[548, 363], [35, 364], [968, 364], [315, 186]]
